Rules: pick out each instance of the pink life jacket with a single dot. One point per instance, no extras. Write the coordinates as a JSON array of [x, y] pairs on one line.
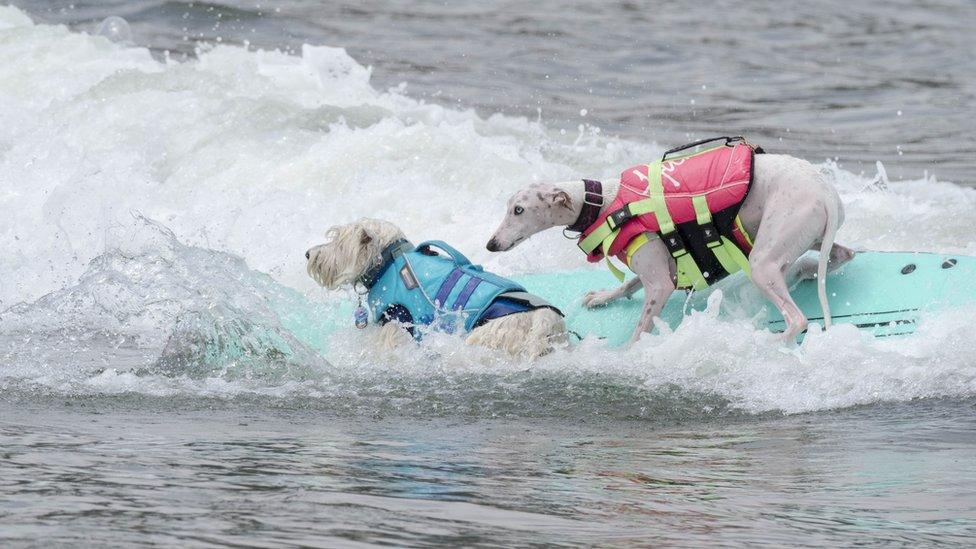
[[722, 175]]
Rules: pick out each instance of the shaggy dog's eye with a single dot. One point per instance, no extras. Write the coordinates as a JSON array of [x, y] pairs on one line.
[[518, 210]]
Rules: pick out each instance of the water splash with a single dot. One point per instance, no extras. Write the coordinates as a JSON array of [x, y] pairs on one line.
[[245, 157], [151, 305]]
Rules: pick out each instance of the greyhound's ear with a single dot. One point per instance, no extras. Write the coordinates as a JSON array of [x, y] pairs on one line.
[[560, 197]]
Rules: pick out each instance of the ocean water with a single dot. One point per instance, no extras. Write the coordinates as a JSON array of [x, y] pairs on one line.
[[163, 374]]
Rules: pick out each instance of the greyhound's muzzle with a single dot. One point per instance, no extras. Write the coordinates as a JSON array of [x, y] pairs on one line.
[[492, 245]]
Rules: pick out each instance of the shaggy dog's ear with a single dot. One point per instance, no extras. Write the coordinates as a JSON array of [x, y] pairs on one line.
[[364, 237]]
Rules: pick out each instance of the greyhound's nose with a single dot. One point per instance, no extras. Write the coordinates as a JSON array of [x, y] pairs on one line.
[[492, 245], [307, 255]]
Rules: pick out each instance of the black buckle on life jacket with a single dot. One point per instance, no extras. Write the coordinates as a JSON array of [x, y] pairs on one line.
[[710, 235], [616, 219], [674, 244]]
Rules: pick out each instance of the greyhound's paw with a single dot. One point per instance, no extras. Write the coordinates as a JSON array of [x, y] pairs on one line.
[[806, 268], [598, 298], [792, 331], [841, 254]]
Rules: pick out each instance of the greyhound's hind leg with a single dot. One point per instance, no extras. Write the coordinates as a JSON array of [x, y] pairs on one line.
[[655, 268], [784, 235]]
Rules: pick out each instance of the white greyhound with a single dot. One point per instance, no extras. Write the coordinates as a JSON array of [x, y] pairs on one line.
[[789, 208]]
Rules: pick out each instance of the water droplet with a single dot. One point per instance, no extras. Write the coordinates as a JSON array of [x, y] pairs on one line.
[[115, 29]]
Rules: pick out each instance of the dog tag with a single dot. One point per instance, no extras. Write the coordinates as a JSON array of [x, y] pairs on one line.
[[361, 316]]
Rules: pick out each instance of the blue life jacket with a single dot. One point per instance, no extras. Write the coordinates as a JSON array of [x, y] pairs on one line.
[[448, 290]]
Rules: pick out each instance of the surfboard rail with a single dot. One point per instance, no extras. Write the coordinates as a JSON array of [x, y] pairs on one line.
[[882, 293]]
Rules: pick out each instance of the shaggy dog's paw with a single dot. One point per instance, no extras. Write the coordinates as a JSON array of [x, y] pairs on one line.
[[598, 298]]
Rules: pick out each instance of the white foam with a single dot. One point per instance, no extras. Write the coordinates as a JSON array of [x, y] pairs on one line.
[[255, 153], [250, 152]]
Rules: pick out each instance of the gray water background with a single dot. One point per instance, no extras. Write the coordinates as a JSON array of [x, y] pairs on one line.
[[878, 80], [218, 474], [818, 79]]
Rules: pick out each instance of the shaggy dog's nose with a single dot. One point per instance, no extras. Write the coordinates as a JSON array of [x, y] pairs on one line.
[[492, 245], [307, 255]]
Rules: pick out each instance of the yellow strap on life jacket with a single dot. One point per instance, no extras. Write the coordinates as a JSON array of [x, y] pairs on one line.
[[727, 253], [689, 275], [638, 243], [593, 240], [742, 231], [606, 254]]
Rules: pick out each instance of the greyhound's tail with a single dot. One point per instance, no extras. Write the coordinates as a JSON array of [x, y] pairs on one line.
[[830, 232]]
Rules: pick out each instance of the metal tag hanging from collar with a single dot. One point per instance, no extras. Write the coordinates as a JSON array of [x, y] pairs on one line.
[[361, 314]]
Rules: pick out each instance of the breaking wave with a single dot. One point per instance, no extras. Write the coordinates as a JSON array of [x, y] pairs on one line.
[[236, 163]]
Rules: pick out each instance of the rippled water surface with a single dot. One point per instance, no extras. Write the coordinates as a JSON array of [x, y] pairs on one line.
[[170, 375], [114, 473]]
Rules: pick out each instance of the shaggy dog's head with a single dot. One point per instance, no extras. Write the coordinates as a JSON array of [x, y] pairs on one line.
[[349, 251]]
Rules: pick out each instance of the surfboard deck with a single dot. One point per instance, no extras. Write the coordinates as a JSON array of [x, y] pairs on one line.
[[882, 293]]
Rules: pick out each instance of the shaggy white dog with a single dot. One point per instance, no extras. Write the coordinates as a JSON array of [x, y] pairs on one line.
[[354, 249]]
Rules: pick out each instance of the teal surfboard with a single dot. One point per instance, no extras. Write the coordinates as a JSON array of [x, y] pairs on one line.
[[882, 293]]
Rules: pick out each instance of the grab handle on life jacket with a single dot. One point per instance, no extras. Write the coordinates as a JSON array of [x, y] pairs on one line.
[[457, 256], [728, 141]]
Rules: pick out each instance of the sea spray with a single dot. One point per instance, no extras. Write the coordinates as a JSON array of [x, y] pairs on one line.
[[243, 158]]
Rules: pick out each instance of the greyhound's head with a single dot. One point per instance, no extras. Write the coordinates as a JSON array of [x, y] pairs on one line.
[[349, 251], [531, 210]]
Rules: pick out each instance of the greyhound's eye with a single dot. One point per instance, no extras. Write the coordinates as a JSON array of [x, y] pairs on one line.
[[518, 210]]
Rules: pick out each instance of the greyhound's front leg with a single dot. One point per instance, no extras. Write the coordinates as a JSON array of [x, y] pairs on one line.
[[655, 269], [599, 298], [655, 296]]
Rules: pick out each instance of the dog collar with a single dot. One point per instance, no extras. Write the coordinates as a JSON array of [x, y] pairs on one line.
[[387, 257], [592, 203]]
